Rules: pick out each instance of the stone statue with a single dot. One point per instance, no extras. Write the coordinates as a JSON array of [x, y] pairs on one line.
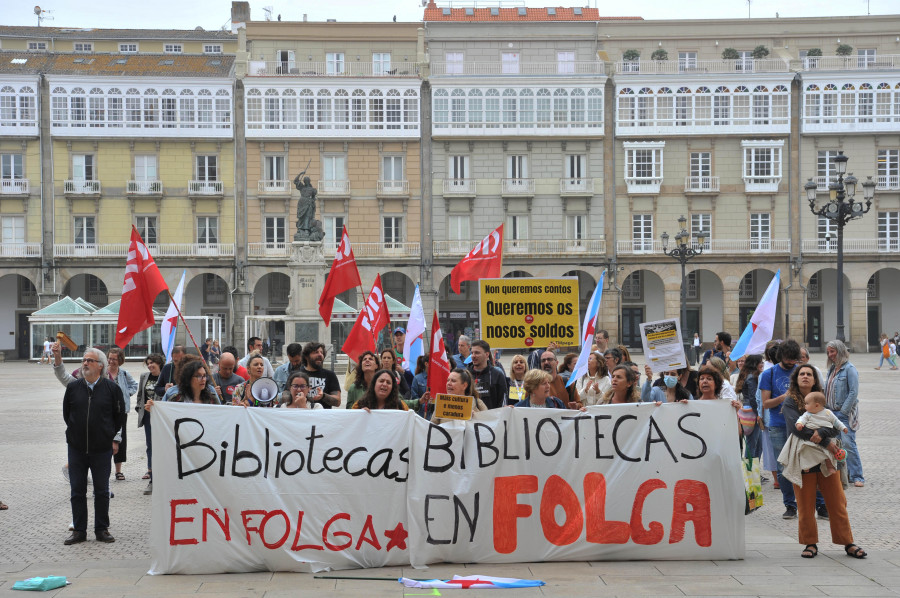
[[308, 228]]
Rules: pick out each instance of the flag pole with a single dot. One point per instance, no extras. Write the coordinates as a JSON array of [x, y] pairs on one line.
[[180, 315]]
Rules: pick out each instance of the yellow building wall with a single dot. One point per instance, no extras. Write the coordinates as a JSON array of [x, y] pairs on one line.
[[114, 165], [106, 45], [31, 207]]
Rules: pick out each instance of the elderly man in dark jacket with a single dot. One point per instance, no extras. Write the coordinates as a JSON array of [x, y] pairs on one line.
[[94, 411]]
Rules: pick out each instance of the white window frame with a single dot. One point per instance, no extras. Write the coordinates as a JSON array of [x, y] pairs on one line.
[[36, 46], [12, 167], [826, 234], [762, 165], [865, 57], [391, 231], [212, 48], [576, 227], [148, 228], [274, 167], [454, 63], [146, 167], [334, 172], [760, 231], [565, 62], [381, 63], [517, 167], [639, 155], [83, 46], [888, 169], [207, 230], [633, 287], [517, 229], [129, 48], [334, 228], [701, 222], [390, 169], [889, 231], [334, 63], [509, 63], [12, 229], [459, 227], [642, 233], [86, 226], [274, 231], [173, 48], [700, 172], [84, 167], [203, 163], [687, 60], [826, 168]]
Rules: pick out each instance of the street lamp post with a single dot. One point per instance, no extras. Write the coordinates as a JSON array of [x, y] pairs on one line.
[[683, 252], [841, 212]]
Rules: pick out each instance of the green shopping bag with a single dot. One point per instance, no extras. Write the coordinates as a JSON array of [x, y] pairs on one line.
[[751, 468]]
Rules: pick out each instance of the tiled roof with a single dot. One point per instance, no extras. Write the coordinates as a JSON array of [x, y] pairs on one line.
[[129, 34], [497, 14], [112, 65]]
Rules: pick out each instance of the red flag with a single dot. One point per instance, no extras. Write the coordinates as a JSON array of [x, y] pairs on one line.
[[438, 364], [484, 261], [143, 283], [372, 319], [343, 276]]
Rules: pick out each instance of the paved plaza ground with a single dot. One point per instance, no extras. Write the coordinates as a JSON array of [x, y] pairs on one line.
[[32, 450]]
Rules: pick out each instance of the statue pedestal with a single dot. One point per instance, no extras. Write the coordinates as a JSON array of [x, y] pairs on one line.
[[307, 271]]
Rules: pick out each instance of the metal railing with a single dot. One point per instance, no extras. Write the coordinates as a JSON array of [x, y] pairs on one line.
[[517, 186], [334, 187], [822, 182], [14, 187], [157, 250], [144, 187], [206, 187], [78, 187], [711, 246], [887, 182], [851, 245], [264, 250], [392, 187], [674, 67], [643, 185], [274, 186], [364, 250], [346, 68], [761, 184], [459, 186], [525, 68], [701, 184], [851, 63], [576, 186], [20, 250], [542, 247]]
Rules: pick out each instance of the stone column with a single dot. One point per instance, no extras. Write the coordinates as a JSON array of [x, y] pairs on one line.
[[47, 283], [855, 319], [672, 303], [731, 313], [307, 271], [795, 299]]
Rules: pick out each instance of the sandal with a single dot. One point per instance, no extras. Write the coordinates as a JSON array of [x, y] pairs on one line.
[[855, 551], [810, 551], [146, 476], [859, 484], [120, 476]]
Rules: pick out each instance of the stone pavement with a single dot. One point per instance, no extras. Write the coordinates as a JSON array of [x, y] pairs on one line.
[[33, 449]]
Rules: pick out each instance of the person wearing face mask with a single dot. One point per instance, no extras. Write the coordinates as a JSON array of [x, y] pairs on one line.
[[671, 392]]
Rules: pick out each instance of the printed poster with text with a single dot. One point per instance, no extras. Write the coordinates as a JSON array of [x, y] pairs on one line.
[[663, 346], [525, 313]]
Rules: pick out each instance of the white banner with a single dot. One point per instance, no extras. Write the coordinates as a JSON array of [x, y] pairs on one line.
[[239, 490]]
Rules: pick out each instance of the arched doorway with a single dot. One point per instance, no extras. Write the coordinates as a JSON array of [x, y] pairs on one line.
[[18, 298], [88, 287], [643, 296], [586, 285], [821, 308], [704, 305], [270, 298], [883, 309], [206, 295]]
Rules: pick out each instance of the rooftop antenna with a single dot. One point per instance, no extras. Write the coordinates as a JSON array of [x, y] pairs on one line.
[[748, 9], [39, 12], [268, 10]]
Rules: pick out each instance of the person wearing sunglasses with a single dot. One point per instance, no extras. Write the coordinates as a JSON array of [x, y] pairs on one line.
[[298, 385]]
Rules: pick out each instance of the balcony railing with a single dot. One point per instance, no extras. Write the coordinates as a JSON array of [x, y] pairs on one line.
[[459, 186], [851, 245], [364, 250], [517, 186], [887, 182], [541, 247], [822, 183], [144, 187], [738, 246], [78, 187], [346, 68], [674, 67], [333, 187], [281, 187], [157, 250], [701, 184], [572, 186], [14, 187], [569, 69], [206, 187], [643, 185], [851, 63], [761, 184], [269, 250], [391, 188], [20, 250]]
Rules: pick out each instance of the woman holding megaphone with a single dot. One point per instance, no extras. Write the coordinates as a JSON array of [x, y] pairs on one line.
[[244, 394]]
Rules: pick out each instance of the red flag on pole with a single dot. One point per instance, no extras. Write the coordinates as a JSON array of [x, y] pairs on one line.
[[438, 364], [484, 261], [142, 284], [372, 319], [343, 276]]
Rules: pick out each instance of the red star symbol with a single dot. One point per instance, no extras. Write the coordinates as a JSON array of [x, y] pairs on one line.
[[467, 583], [173, 321], [397, 537], [754, 326]]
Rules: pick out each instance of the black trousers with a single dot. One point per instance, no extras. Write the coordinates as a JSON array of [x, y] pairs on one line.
[[99, 464]]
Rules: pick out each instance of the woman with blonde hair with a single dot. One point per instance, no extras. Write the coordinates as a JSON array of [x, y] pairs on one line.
[[516, 379], [537, 391]]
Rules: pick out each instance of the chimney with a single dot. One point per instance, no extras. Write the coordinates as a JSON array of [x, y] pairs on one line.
[[240, 15], [304, 17]]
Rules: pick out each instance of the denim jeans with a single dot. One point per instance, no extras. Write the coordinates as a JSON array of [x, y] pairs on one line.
[[754, 443], [848, 440], [99, 464], [778, 436]]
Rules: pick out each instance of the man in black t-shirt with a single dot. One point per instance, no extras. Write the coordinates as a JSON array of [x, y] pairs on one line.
[[324, 386], [489, 382]]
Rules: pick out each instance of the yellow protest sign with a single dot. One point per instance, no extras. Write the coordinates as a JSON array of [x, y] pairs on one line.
[[453, 406], [523, 313]]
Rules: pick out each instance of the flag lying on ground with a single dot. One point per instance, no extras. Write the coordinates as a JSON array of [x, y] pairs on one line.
[[170, 322], [343, 276], [142, 284], [372, 318], [415, 333], [484, 261], [474, 582], [762, 324], [587, 337], [438, 363]]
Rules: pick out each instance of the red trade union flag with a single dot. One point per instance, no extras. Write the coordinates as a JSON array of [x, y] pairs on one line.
[[438, 364], [343, 276], [484, 261], [372, 319], [142, 284]]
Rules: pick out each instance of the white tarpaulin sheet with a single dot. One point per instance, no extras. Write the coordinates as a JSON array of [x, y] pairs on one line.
[[240, 490]]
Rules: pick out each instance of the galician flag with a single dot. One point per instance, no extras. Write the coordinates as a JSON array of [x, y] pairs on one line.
[[762, 324], [170, 322], [587, 336], [472, 582], [413, 346]]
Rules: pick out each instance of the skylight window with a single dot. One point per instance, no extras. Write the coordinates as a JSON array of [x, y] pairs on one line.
[[577, 10], [446, 12], [470, 12], [551, 12], [18, 61], [495, 12], [523, 11]]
